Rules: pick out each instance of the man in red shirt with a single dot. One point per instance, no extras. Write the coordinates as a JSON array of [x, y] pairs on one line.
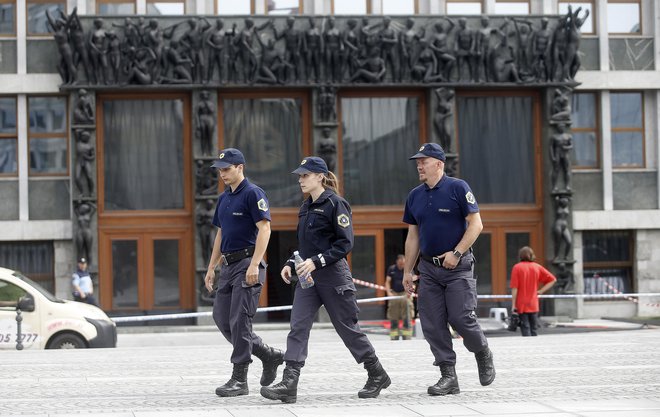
[[526, 276]]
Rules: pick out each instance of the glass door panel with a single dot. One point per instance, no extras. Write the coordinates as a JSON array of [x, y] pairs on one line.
[[166, 273], [483, 267], [125, 285], [368, 264]]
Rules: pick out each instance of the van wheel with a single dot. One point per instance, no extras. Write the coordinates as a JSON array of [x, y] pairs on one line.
[[67, 341]]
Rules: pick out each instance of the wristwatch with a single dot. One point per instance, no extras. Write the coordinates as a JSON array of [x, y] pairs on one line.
[[457, 254]]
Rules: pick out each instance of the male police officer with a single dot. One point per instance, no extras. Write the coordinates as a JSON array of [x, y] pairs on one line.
[[243, 220], [443, 223]]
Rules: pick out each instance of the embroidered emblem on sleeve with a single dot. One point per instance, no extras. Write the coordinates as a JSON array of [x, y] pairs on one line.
[[343, 220], [470, 197], [263, 206]]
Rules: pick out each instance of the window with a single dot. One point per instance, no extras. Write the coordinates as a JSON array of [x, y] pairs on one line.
[[47, 136], [115, 7], [37, 21], [624, 17], [512, 7], [376, 133], [166, 8], [7, 17], [588, 25], [8, 139], [464, 7], [284, 7], [34, 259], [9, 294], [585, 130], [234, 7], [399, 6], [608, 261], [350, 7], [627, 121]]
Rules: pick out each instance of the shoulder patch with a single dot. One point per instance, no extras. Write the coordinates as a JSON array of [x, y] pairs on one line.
[[263, 206], [343, 220], [470, 197]]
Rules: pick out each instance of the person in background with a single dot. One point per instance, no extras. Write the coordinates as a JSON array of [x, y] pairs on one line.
[[83, 288], [402, 308]]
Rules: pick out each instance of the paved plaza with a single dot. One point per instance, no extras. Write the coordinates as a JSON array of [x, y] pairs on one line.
[[605, 373]]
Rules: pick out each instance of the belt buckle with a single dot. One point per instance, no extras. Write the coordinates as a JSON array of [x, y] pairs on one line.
[[224, 260], [437, 260]]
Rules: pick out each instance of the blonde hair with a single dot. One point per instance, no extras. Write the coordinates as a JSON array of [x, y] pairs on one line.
[[331, 182]]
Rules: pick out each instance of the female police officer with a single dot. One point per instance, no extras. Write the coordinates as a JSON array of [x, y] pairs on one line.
[[325, 237]]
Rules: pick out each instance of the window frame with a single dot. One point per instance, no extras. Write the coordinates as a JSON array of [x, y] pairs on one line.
[[592, 15], [185, 11], [596, 130], [9, 136], [27, 16], [50, 135], [641, 129], [481, 3], [332, 8], [529, 7], [13, 34], [215, 9], [629, 264], [101, 2], [639, 8], [300, 9], [416, 11]]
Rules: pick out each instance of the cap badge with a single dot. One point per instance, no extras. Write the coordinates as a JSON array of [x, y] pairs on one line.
[[304, 161], [222, 155], [421, 149]]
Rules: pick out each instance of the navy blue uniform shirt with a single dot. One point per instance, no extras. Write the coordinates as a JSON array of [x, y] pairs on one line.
[[440, 213], [397, 278], [237, 214], [325, 229]]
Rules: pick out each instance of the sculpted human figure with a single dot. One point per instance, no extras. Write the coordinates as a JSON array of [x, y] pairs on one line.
[[313, 48], [440, 45], [388, 41], [334, 48], [65, 66], [205, 114], [293, 41], [137, 66], [79, 42], [443, 120], [84, 211], [132, 35], [98, 44], [153, 36], [560, 156], [541, 41], [482, 50], [271, 64], [327, 148], [561, 105], [464, 49], [424, 66], [84, 112], [524, 36], [565, 279], [408, 43], [573, 25], [503, 60], [372, 69], [351, 40], [114, 55], [368, 37], [205, 228], [245, 49], [559, 46], [217, 43], [180, 73], [84, 157], [327, 112], [561, 234], [193, 40]]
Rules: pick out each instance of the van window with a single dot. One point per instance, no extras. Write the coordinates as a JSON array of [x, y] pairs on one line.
[[9, 294]]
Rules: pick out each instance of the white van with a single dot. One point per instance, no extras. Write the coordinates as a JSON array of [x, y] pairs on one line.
[[48, 322]]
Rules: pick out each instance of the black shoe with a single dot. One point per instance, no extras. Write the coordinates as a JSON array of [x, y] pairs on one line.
[[237, 384], [485, 366], [286, 390], [271, 359], [447, 384], [378, 380]]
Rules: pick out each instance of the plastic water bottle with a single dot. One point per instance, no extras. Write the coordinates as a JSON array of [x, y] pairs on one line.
[[306, 280]]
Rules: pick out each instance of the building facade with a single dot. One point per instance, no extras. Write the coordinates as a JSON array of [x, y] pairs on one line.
[[112, 111]]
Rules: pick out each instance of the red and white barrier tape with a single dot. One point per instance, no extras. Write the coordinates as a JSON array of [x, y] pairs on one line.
[[615, 291], [372, 285]]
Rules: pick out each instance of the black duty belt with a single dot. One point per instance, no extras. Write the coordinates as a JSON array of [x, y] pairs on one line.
[[435, 260], [233, 257]]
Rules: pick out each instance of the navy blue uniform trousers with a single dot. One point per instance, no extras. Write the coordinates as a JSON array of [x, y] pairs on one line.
[[333, 288], [234, 307], [449, 296]]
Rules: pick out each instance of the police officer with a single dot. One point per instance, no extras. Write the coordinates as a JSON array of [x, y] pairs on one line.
[[443, 222], [325, 237], [243, 220]]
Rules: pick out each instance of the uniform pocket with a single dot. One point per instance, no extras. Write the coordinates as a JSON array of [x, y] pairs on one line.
[[470, 297], [341, 289]]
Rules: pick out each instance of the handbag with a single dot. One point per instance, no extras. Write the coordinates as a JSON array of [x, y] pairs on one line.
[[514, 322]]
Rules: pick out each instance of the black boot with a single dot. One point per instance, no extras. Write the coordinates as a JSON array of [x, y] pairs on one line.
[[287, 390], [237, 384], [271, 358], [486, 367], [378, 379], [447, 384]]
